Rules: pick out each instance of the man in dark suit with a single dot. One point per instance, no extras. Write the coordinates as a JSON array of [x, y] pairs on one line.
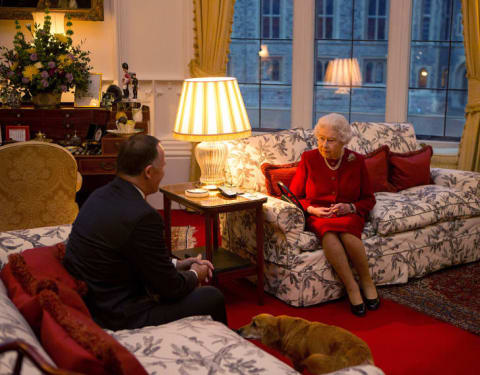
[[117, 247]]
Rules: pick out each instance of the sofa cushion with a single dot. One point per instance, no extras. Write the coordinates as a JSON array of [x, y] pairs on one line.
[[245, 156], [36, 269], [198, 345], [369, 136], [376, 163], [420, 206], [411, 168], [15, 327], [275, 173], [76, 343]]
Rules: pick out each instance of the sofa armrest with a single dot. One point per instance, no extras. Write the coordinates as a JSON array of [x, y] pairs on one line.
[[283, 227], [466, 181]]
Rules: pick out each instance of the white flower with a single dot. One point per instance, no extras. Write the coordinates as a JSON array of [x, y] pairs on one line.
[[38, 65]]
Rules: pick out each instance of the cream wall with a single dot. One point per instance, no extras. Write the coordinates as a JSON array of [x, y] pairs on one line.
[[155, 37]]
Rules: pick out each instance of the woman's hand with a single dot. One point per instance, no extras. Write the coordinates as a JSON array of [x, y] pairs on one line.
[[341, 209], [320, 211]]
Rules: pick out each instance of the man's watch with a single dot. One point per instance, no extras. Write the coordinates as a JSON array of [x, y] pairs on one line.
[[352, 208]]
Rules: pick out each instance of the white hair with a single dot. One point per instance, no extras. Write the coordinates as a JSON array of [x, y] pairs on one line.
[[338, 123]]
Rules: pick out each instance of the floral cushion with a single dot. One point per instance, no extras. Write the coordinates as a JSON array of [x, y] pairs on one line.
[[197, 345], [368, 136], [420, 206], [245, 156], [14, 327], [18, 240]]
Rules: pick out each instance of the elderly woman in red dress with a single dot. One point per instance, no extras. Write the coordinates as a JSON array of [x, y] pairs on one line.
[[333, 187]]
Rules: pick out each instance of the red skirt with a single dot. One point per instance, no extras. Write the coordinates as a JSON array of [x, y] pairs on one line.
[[351, 223]]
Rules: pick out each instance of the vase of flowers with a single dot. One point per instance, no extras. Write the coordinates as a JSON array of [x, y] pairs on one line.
[[46, 66]]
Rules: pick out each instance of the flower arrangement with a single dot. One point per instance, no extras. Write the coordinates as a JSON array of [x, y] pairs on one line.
[[49, 63]]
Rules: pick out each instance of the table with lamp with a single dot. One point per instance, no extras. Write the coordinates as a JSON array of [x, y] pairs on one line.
[[212, 110]]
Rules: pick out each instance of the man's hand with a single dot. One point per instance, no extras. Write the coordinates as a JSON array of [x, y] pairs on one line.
[[185, 264], [204, 269]]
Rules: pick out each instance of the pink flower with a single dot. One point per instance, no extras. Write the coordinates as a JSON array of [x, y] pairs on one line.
[[33, 57], [10, 74], [44, 83], [51, 64], [44, 74], [63, 87], [25, 80], [69, 77]]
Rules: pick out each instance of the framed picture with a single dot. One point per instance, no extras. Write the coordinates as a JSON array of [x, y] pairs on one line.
[[19, 133], [93, 95], [87, 10]]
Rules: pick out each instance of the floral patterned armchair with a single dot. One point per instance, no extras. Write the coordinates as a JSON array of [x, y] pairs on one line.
[[38, 182], [409, 234]]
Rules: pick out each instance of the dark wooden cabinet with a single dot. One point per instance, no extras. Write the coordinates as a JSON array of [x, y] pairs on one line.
[[59, 124]]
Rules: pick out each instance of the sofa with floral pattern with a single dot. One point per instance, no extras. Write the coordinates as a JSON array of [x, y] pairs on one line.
[[193, 345], [409, 233]]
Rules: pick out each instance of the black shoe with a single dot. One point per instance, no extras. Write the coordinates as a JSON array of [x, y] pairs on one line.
[[358, 310], [373, 304]]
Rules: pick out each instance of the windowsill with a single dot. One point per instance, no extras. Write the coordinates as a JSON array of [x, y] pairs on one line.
[[442, 147]]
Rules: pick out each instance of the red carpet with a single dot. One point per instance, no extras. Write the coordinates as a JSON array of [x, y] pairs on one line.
[[402, 340]]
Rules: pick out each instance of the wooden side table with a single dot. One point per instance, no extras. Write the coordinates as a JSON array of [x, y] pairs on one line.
[[227, 264]]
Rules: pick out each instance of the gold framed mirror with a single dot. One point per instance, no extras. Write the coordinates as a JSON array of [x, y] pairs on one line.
[[86, 10]]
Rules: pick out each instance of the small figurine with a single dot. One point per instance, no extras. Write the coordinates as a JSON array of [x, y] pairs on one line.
[[126, 80], [135, 85]]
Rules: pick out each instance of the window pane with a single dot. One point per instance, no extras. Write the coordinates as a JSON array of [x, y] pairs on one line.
[[263, 66], [359, 93], [426, 110], [245, 19], [431, 56], [437, 84], [457, 100]]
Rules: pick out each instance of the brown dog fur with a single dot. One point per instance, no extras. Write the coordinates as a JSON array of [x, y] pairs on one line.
[[319, 347]]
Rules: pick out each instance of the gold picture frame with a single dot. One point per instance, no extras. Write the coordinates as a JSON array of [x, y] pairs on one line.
[[92, 11], [93, 96]]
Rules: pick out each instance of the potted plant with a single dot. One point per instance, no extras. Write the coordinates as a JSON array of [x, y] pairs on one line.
[[45, 66]]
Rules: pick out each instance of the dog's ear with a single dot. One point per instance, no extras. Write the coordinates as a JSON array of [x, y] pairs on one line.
[[271, 334]]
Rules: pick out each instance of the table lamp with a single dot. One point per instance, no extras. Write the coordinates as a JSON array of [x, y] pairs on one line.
[[211, 110], [343, 72], [57, 20]]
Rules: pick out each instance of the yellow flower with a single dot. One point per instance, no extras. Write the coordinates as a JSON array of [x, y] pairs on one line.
[[38, 65], [14, 66], [65, 60], [60, 37], [31, 50], [30, 71]]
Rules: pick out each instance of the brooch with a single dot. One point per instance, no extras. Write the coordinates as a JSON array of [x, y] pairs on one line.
[[351, 157]]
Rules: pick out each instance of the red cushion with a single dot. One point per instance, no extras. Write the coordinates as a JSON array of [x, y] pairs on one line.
[[75, 342], [411, 168], [376, 163], [275, 173], [33, 270]]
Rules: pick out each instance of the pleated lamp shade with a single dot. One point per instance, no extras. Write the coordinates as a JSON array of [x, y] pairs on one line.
[[343, 72], [211, 109]]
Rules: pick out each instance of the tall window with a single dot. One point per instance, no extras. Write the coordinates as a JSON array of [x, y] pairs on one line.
[[377, 20], [437, 92], [271, 19], [261, 60], [325, 19], [360, 41]]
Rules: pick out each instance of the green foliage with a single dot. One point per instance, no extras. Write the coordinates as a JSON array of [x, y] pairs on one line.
[[47, 63]]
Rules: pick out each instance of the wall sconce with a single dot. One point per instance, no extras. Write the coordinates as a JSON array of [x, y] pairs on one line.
[[57, 20], [263, 53], [343, 73]]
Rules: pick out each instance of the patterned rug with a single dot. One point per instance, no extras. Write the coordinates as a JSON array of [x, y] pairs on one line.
[[183, 237], [451, 295]]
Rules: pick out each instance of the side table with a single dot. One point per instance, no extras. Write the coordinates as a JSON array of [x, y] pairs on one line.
[[227, 264]]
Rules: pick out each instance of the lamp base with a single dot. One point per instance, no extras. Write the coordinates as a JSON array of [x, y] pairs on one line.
[[211, 158]]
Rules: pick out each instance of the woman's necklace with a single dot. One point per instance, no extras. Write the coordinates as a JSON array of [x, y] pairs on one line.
[[336, 166]]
